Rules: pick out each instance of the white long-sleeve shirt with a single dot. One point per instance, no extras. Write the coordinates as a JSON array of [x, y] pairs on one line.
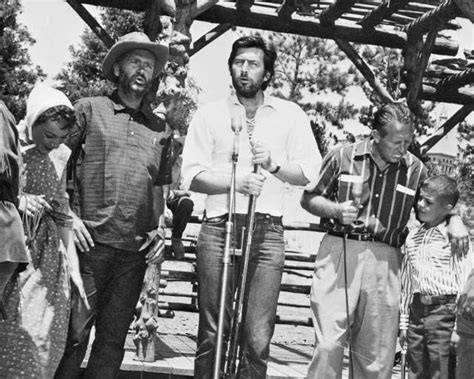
[[281, 124]]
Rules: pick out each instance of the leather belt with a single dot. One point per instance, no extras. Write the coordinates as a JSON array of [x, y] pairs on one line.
[[434, 299], [259, 217], [353, 236]]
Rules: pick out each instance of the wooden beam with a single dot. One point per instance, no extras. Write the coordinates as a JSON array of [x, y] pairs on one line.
[[457, 80], [210, 36], [429, 92], [243, 6], [418, 70], [92, 23], [365, 70], [133, 5], [435, 19], [152, 23], [197, 7], [334, 11], [444, 129], [382, 11], [286, 9], [259, 18]]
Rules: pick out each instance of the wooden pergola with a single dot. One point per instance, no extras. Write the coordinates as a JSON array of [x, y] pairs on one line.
[[418, 28]]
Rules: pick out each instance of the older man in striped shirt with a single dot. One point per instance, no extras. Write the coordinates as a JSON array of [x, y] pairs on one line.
[[365, 191]]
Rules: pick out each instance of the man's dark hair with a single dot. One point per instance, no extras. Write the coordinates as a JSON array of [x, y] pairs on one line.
[[58, 113], [446, 188], [389, 113], [269, 54]]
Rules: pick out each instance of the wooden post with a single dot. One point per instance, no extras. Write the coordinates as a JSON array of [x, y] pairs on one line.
[[147, 324], [414, 85], [92, 23], [365, 70], [444, 129], [210, 36]]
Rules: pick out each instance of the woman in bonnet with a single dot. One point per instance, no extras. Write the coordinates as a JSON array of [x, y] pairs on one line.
[[34, 338]]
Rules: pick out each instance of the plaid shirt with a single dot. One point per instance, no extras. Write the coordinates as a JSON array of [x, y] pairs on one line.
[[119, 165], [387, 196]]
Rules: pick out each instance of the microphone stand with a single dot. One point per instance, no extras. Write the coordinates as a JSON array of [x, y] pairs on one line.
[[233, 352], [229, 226], [357, 194]]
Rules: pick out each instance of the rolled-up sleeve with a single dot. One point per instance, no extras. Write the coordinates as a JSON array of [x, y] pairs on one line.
[[197, 152], [328, 175], [303, 149]]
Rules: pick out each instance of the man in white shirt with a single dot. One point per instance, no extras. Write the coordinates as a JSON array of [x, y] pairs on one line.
[[276, 135]]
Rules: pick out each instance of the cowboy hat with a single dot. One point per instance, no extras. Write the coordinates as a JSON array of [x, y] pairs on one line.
[[133, 41]]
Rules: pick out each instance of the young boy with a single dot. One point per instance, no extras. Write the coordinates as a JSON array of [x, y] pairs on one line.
[[432, 277]]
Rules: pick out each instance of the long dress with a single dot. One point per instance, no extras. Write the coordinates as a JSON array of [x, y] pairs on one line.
[[33, 338]]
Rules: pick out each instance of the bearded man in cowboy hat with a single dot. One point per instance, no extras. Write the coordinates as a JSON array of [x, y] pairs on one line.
[[117, 145]]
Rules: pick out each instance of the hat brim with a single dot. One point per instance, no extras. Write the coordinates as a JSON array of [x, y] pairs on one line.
[[159, 51]]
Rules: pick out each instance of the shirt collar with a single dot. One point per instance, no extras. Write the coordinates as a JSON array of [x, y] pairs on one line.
[[268, 101], [365, 148], [442, 227], [151, 120]]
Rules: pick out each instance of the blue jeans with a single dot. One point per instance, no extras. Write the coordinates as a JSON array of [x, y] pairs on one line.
[[113, 279], [266, 263], [429, 341], [465, 355]]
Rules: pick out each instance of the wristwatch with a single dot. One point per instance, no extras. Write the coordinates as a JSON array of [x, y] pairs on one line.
[[274, 171]]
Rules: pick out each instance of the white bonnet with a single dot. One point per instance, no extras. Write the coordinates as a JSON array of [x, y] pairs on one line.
[[42, 97]]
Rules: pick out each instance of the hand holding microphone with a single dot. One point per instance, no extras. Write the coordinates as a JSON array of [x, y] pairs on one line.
[[236, 123], [357, 188], [261, 154]]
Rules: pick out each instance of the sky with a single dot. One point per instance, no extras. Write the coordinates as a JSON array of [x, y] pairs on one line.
[[55, 26]]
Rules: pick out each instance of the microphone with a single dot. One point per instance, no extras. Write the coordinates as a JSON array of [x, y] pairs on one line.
[[357, 191], [236, 125], [357, 188]]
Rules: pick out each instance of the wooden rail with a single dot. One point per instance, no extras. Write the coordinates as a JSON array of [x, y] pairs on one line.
[[294, 290]]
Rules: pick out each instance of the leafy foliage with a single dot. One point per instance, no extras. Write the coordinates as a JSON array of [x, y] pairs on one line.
[[465, 173], [82, 76], [17, 74], [307, 69]]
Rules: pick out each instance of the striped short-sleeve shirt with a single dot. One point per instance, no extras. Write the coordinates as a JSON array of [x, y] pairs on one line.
[[121, 153], [387, 196], [429, 267]]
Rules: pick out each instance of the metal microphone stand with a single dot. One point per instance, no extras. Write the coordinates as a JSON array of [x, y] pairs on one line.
[[356, 193], [229, 226], [233, 352]]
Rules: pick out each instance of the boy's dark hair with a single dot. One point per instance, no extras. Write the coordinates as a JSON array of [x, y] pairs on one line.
[[269, 54], [445, 187], [59, 112], [391, 112]]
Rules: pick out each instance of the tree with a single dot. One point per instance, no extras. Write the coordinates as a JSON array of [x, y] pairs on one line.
[[17, 74], [465, 173], [307, 69], [82, 76]]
